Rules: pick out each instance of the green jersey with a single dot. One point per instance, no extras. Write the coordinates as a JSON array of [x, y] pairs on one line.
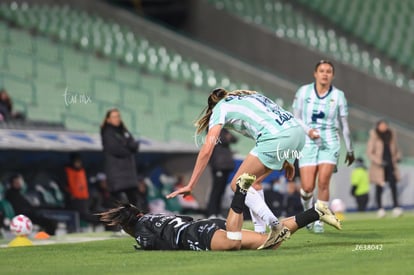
[[321, 113], [254, 116]]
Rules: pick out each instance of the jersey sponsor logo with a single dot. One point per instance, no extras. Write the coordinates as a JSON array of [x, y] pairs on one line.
[[316, 115]]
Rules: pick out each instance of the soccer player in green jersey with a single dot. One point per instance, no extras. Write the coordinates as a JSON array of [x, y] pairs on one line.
[[279, 139], [320, 108]]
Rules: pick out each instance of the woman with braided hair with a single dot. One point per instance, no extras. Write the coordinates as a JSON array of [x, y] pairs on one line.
[[173, 232]]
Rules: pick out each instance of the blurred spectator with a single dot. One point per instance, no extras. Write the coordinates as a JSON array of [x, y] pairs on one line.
[[168, 185], [2, 223], [44, 191], [293, 203], [360, 184], [222, 164], [119, 148], [99, 193], [383, 152], [142, 202], [274, 197], [77, 188], [22, 205], [6, 107]]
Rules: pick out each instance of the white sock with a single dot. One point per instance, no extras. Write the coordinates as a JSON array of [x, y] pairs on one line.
[[318, 223], [324, 203], [259, 224], [306, 199], [257, 204]]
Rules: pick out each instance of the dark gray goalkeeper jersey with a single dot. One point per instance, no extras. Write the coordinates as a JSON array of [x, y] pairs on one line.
[[171, 232]]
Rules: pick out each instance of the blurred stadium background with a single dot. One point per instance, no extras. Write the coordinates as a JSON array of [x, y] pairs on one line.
[[157, 60]]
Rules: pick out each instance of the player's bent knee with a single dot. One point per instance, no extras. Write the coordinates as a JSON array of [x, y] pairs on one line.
[[234, 242], [233, 245]]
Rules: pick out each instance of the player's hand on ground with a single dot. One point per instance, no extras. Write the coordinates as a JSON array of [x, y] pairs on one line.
[[186, 190], [313, 134], [289, 170], [349, 158]]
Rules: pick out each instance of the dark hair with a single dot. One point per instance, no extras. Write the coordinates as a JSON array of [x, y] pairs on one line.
[[359, 162], [359, 159], [325, 62], [125, 215], [384, 136], [212, 100], [382, 120], [74, 156], [13, 177], [107, 115], [215, 96], [7, 101]]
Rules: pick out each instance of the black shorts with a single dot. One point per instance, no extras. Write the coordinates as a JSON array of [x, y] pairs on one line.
[[198, 235]]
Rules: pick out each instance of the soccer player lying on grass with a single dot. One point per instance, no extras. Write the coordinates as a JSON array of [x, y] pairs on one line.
[[173, 232]]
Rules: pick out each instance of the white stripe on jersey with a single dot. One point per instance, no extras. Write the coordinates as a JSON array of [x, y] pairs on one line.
[[252, 115]]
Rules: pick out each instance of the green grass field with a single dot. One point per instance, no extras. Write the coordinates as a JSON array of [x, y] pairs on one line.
[[385, 247]]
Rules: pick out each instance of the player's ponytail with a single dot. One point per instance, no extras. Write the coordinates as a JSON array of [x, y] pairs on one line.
[[215, 96], [126, 216], [242, 92]]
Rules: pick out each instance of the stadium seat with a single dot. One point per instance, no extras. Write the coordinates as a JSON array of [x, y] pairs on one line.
[[384, 24], [57, 49], [363, 18]]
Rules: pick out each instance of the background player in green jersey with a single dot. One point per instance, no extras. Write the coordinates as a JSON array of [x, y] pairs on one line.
[[320, 108]]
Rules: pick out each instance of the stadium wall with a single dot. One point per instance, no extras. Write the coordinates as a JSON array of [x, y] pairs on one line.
[[340, 188]]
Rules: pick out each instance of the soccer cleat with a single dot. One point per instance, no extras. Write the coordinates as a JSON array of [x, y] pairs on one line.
[[397, 212], [381, 213], [276, 235], [244, 181], [309, 226], [327, 216], [318, 227]]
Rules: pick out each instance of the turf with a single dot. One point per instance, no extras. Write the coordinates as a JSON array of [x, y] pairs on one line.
[[385, 247]]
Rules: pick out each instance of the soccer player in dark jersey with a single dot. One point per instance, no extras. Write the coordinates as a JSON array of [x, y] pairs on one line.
[[174, 232]]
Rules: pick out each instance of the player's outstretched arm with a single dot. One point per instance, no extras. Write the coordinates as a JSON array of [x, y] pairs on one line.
[[201, 163]]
